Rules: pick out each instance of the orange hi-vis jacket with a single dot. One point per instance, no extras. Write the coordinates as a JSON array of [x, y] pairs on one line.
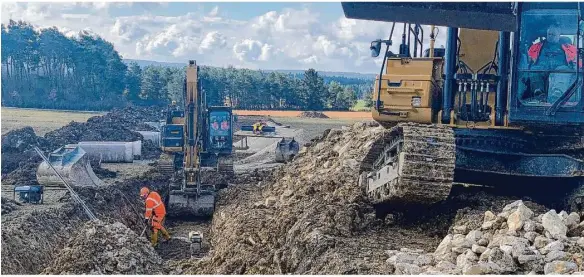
[[569, 49], [155, 208]]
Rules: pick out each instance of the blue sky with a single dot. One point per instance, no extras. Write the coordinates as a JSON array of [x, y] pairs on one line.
[[260, 35]]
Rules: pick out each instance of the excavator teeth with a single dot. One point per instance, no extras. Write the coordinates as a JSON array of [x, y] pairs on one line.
[[421, 168]]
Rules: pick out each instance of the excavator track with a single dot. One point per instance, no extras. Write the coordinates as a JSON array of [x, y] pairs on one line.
[[165, 164], [411, 163]]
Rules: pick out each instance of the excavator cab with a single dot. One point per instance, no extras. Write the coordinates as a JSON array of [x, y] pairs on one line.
[[548, 85]]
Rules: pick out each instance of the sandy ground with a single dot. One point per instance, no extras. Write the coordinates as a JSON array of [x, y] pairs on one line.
[[333, 115]]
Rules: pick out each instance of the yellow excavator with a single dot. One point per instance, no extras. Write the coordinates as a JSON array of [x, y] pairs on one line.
[[500, 105], [197, 150]]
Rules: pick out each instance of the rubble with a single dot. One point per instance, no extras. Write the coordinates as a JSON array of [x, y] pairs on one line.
[[9, 205], [311, 114], [101, 248], [507, 251]]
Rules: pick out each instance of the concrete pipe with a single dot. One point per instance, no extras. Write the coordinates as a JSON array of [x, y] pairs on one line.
[[113, 151]]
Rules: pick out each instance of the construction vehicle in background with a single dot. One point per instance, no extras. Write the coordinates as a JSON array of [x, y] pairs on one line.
[[286, 147], [503, 100], [197, 150]]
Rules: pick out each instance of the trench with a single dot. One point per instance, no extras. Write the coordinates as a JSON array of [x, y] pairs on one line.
[[31, 240]]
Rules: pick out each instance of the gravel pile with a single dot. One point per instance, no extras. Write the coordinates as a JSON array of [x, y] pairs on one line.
[[313, 115], [101, 248], [514, 241]]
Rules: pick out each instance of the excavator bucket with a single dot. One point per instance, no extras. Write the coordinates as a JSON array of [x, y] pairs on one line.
[[286, 150], [72, 163], [190, 201]]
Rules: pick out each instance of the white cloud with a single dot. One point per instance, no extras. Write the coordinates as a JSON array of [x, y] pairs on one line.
[[212, 41], [214, 12], [127, 30], [248, 50], [284, 39]]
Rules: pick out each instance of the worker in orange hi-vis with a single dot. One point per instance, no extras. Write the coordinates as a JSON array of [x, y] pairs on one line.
[[155, 213]]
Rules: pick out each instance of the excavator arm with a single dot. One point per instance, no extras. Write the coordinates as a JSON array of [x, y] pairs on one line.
[[192, 130]]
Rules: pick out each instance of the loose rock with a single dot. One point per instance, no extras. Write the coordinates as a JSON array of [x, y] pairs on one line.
[[554, 224]]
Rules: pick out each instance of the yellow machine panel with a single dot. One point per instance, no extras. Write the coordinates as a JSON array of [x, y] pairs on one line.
[[477, 47], [411, 86]]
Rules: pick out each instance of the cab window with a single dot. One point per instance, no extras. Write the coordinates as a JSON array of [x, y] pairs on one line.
[[548, 57]]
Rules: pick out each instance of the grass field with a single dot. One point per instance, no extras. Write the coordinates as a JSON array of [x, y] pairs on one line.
[[360, 106], [41, 121]]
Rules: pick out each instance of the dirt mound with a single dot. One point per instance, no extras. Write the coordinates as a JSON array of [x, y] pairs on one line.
[[32, 239], [9, 205], [19, 161], [117, 125], [101, 248], [313, 115], [17, 148], [313, 218]]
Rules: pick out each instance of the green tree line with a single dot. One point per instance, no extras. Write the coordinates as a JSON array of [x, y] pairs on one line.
[[43, 68]]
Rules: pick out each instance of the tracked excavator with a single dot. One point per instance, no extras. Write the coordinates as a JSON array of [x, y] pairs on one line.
[[502, 103], [197, 150]]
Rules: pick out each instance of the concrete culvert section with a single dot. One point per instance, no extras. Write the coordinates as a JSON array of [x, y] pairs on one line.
[[113, 151]]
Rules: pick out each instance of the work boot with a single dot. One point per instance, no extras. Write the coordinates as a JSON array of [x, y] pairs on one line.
[[154, 238], [165, 234]]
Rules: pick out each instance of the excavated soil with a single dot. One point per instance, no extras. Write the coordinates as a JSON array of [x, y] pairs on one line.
[[17, 149], [101, 248], [20, 161], [313, 115], [309, 217], [9, 205], [31, 238]]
